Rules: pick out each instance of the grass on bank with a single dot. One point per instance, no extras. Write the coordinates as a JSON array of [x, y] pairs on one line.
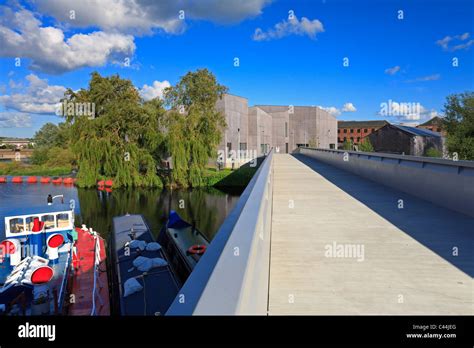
[[23, 169]]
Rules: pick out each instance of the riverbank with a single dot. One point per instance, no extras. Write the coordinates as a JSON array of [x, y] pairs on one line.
[[22, 169], [213, 178]]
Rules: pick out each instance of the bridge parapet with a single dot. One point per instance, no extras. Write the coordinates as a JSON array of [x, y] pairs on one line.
[[444, 182], [232, 276]]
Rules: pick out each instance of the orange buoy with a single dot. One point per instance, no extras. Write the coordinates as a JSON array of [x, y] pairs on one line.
[[17, 180], [109, 183], [3, 180], [68, 181], [45, 180], [57, 181], [108, 189], [100, 188], [32, 180], [197, 249], [100, 183]]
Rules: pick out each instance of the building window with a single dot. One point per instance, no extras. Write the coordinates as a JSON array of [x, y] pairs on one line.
[[352, 130], [358, 139], [339, 130], [286, 147], [243, 146], [345, 130], [373, 130], [332, 146], [229, 149], [286, 129], [352, 139], [345, 138], [358, 130], [438, 130], [365, 130]]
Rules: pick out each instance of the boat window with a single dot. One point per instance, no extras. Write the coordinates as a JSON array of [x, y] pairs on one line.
[[62, 220], [48, 222], [30, 222], [17, 225]]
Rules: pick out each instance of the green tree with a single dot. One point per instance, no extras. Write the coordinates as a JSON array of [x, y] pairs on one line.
[[365, 145], [52, 135], [122, 141], [347, 145], [193, 125], [433, 152], [459, 124]]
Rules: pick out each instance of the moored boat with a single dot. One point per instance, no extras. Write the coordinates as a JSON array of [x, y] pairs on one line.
[[37, 270], [184, 242], [143, 281]]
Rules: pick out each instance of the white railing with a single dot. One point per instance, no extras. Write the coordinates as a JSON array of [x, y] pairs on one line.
[[232, 277], [97, 260]]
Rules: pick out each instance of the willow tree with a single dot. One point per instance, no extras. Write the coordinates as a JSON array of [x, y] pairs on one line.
[[121, 140], [194, 126]]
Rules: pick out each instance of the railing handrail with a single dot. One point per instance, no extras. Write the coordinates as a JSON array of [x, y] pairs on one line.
[[216, 284], [444, 161], [97, 260]]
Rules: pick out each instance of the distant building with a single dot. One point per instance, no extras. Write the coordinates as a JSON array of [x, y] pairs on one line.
[[355, 131], [15, 142], [406, 140], [253, 131], [435, 125]]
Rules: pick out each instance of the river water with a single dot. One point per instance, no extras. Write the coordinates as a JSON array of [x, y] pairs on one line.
[[208, 207]]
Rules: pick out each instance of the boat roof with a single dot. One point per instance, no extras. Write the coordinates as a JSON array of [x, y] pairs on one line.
[[160, 286]]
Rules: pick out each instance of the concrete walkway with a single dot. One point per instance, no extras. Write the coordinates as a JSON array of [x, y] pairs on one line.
[[384, 260]]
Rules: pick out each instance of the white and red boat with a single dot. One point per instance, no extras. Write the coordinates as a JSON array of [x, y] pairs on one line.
[[50, 267]]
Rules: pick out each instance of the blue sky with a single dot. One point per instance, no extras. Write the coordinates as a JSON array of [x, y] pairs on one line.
[[299, 64]]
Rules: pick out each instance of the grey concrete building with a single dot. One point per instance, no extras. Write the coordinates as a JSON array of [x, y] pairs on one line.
[[255, 130]]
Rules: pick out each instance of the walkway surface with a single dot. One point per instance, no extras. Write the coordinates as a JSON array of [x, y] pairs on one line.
[[342, 244]]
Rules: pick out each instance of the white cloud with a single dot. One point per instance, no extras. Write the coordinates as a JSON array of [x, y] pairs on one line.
[[331, 109], [288, 27], [393, 70], [22, 35], [154, 91], [14, 120], [447, 43], [38, 97], [145, 16], [433, 77], [349, 107]]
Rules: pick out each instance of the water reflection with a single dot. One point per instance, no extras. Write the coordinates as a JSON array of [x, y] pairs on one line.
[[208, 207]]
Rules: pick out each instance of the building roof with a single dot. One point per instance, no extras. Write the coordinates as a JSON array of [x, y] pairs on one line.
[[435, 121], [417, 131], [361, 124]]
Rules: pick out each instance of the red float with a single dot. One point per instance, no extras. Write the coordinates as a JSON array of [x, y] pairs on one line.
[[32, 180], [17, 180], [42, 275], [56, 240], [45, 180], [68, 181], [57, 181], [3, 180]]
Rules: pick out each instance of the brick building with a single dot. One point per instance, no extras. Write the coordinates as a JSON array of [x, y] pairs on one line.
[[357, 130], [434, 125]]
